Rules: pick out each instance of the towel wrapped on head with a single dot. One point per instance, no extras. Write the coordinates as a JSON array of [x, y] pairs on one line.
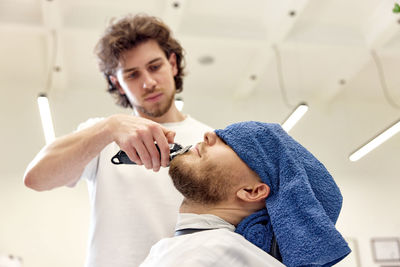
[[304, 203]]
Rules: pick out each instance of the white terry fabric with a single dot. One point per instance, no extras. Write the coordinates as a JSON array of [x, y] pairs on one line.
[[132, 207], [209, 248]]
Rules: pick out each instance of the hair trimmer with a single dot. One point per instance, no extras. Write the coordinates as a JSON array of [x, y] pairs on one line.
[[174, 150]]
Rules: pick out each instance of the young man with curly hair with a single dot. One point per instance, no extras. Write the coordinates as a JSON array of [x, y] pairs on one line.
[[131, 207]]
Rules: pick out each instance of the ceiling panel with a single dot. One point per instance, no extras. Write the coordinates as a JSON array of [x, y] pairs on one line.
[[20, 11], [325, 55]]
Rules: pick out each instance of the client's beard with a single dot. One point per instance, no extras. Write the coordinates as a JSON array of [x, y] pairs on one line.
[[203, 186]]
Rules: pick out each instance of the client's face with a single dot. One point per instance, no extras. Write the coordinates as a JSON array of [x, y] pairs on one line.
[[208, 173]]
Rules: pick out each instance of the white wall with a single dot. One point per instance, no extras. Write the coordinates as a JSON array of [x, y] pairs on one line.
[[46, 229], [370, 210]]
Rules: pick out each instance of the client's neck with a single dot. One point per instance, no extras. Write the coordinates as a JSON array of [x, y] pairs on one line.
[[229, 212]]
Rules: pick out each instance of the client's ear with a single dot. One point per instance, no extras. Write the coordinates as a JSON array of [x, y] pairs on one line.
[[255, 193]]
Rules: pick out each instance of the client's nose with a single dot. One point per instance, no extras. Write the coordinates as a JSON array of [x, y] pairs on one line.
[[210, 138]]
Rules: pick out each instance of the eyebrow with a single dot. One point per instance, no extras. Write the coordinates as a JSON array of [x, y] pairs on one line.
[[148, 63]]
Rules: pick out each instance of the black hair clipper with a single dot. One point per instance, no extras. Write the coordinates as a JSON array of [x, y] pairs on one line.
[[174, 150]]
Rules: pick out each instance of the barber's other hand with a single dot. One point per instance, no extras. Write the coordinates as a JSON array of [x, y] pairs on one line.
[[136, 136]]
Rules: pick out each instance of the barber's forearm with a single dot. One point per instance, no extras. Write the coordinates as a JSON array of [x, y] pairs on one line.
[[63, 161]]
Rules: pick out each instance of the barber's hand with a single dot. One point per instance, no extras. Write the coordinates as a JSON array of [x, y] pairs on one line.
[[136, 136]]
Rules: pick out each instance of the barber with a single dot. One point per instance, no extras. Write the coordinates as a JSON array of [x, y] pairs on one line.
[[131, 207]]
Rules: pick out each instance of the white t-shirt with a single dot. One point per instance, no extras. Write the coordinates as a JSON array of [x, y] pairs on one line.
[[221, 247], [132, 207]]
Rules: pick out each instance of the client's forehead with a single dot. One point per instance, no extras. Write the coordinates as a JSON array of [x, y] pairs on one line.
[[242, 165]]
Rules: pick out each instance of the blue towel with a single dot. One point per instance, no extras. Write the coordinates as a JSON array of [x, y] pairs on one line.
[[304, 203]]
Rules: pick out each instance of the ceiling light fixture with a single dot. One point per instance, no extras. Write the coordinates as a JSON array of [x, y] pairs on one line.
[[45, 116], [376, 141], [206, 60], [43, 101], [296, 115], [391, 130], [300, 109]]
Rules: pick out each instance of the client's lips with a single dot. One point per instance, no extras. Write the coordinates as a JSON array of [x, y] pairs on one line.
[[196, 150]]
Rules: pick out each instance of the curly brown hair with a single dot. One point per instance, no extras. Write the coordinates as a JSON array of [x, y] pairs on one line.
[[128, 32]]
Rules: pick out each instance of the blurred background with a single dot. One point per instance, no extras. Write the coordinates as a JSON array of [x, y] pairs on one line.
[[246, 60]]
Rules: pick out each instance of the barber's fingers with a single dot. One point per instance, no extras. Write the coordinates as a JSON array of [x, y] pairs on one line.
[[162, 142], [138, 141], [154, 160], [133, 156], [170, 136], [144, 155], [162, 136]]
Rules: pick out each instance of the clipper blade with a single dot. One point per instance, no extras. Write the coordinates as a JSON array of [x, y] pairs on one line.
[[174, 150], [179, 152]]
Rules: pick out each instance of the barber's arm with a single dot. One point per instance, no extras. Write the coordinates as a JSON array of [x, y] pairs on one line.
[[63, 161]]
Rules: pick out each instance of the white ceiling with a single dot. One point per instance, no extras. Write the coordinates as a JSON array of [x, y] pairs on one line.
[[321, 44]]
